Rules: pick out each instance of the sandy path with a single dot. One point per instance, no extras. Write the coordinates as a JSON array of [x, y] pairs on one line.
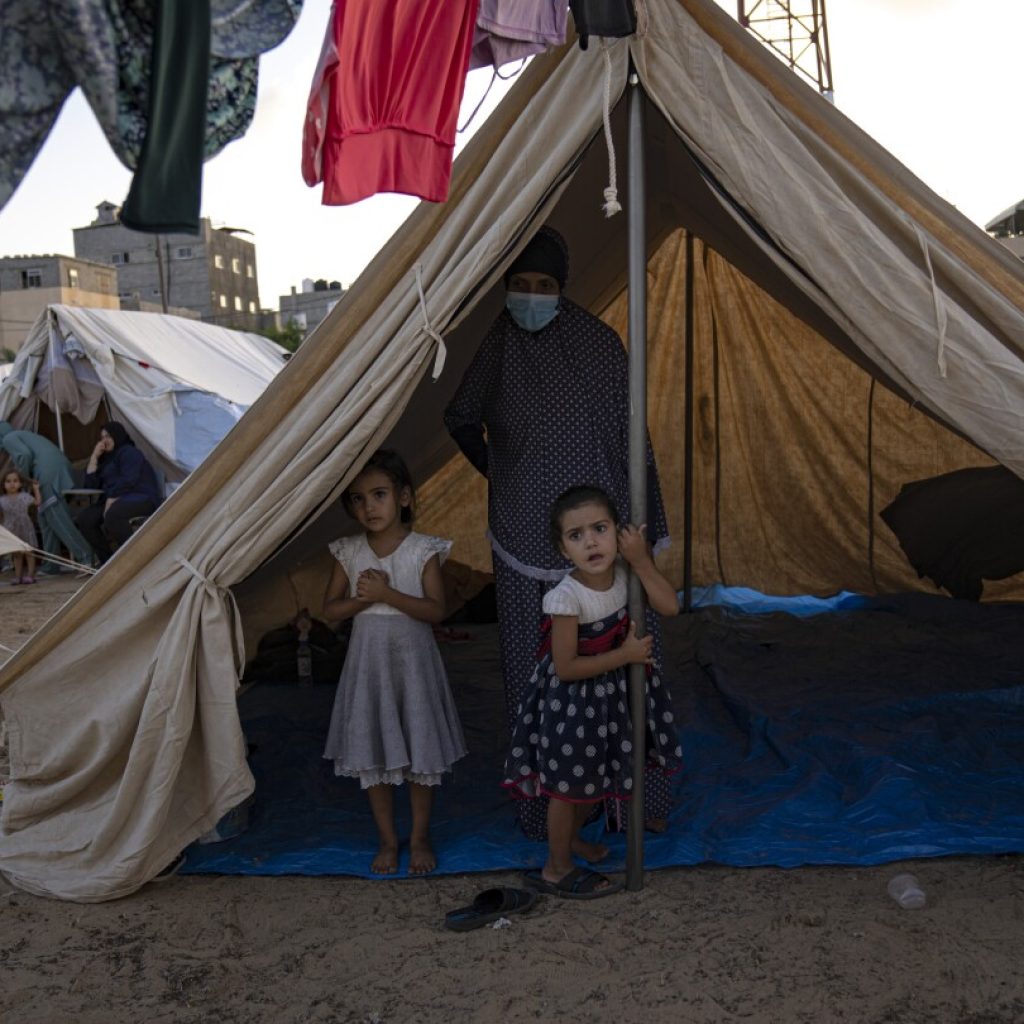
[[697, 946]]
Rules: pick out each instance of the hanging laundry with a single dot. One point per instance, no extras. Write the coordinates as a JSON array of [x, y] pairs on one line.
[[612, 19], [106, 47], [382, 110], [510, 30]]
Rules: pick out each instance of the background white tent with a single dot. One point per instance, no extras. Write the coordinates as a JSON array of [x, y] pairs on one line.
[[862, 274], [177, 385]]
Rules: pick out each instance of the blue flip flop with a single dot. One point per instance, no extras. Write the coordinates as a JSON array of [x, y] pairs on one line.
[[488, 906]]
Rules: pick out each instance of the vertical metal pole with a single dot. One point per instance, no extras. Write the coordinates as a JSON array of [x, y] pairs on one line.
[[60, 427], [688, 431], [637, 263]]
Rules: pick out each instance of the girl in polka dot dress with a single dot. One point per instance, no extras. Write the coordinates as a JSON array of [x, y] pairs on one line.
[[573, 737]]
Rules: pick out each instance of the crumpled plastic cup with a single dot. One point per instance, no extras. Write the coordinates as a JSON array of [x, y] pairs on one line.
[[907, 892]]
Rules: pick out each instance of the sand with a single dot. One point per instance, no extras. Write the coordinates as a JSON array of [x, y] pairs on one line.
[[695, 946]]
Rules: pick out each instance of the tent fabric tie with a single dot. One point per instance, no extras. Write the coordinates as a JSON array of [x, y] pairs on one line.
[[940, 310], [428, 328], [611, 205], [229, 599]]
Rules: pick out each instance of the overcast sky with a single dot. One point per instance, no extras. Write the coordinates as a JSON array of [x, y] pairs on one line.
[[934, 81]]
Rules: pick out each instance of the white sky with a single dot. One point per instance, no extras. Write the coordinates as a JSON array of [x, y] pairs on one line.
[[934, 81]]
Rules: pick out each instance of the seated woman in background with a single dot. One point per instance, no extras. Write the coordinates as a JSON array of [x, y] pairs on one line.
[[129, 486]]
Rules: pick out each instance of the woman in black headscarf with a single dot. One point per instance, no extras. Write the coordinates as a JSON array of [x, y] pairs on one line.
[[129, 486], [544, 406]]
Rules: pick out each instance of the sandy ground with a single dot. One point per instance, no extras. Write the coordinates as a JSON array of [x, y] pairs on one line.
[[695, 946]]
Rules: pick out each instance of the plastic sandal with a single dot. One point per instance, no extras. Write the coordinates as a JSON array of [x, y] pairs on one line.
[[488, 906], [579, 884]]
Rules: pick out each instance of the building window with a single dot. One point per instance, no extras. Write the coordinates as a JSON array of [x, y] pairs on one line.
[[252, 306], [119, 257], [223, 302], [218, 261], [72, 277], [236, 264], [183, 252], [31, 279], [248, 270], [238, 303]]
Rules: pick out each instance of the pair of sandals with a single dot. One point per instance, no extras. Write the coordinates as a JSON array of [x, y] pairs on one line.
[[23, 580], [493, 904]]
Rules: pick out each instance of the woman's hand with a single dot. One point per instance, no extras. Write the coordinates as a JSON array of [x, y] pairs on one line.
[[98, 450], [372, 586], [637, 650], [633, 544]]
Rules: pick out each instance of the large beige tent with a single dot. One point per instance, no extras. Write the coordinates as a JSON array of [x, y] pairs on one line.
[[820, 266]]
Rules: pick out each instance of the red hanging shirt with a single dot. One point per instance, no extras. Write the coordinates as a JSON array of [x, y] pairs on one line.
[[385, 100]]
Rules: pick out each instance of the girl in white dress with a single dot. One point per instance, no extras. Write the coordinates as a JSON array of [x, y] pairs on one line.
[[394, 718]]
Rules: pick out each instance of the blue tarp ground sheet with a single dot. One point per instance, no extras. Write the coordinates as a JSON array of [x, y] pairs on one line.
[[840, 731]]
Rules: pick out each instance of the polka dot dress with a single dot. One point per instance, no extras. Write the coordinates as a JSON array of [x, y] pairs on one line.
[[573, 740], [555, 404]]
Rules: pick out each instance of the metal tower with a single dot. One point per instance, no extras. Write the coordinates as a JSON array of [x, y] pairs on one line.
[[796, 31]]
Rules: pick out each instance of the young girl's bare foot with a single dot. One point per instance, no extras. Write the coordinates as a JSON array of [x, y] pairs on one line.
[[656, 825], [421, 856], [592, 853], [386, 861]]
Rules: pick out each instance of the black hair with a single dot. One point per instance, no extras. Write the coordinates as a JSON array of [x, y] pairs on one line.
[[117, 433], [12, 471], [393, 466], [577, 497]]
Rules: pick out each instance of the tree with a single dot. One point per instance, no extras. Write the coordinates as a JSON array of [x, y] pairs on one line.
[[290, 337]]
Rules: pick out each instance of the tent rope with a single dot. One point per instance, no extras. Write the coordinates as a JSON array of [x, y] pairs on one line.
[[229, 599], [940, 309], [428, 328], [612, 205]]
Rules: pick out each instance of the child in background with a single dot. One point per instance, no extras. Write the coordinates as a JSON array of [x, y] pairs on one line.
[[15, 501], [394, 719], [573, 738]]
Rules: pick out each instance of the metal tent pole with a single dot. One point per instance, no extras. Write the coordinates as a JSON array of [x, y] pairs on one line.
[[688, 433], [637, 264]]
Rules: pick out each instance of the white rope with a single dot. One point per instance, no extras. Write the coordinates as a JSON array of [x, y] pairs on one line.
[[611, 205], [228, 598], [940, 309], [428, 328]]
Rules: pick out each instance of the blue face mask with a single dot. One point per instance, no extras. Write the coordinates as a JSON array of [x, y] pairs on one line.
[[531, 312]]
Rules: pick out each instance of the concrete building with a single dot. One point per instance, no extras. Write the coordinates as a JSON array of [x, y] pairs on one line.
[[1008, 228], [213, 273], [28, 284], [306, 309]]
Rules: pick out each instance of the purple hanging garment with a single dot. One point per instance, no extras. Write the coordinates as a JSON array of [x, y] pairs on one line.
[[509, 30]]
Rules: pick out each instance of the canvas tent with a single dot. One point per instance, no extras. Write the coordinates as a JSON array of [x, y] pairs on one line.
[[822, 265], [11, 545], [178, 385]]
